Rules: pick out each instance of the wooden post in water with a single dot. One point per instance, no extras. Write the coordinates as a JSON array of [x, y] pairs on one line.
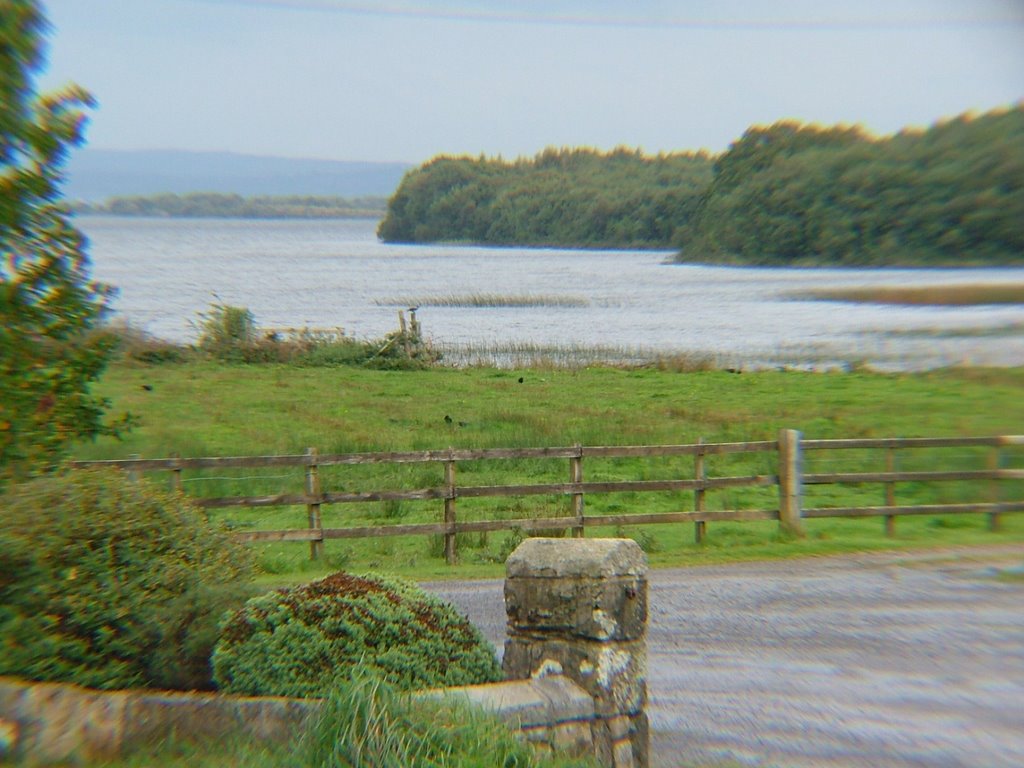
[[414, 325], [450, 553], [576, 476], [890, 492], [316, 547], [700, 474], [993, 489], [404, 332], [790, 482]]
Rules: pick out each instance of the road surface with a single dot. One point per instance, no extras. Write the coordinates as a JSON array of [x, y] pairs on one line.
[[866, 660]]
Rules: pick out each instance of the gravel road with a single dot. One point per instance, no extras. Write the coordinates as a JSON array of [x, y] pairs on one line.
[[870, 660]]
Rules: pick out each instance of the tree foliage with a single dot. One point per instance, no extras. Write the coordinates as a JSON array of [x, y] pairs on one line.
[[49, 307], [787, 193], [794, 194], [110, 582], [561, 197]]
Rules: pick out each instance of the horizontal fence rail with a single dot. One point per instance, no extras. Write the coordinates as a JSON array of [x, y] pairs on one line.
[[790, 480]]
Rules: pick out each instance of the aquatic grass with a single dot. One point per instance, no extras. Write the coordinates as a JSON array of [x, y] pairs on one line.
[[573, 356], [995, 331], [487, 301], [568, 356], [965, 294]]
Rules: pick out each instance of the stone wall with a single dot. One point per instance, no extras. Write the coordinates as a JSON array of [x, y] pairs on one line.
[[58, 722], [578, 607], [45, 723], [576, 655]]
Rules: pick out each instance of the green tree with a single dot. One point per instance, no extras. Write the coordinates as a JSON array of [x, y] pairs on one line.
[[562, 197], [791, 194], [50, 350]]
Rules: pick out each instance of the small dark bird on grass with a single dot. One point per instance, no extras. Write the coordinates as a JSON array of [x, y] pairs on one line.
[[520, 379], [148, 387], [447, 419]]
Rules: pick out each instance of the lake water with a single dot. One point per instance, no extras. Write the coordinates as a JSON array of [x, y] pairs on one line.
[[336, 274]]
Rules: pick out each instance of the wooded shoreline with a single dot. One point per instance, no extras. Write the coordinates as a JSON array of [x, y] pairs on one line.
[[788, 194]]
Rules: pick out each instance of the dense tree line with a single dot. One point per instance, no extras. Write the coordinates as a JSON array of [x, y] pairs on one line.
[[791, 194], [567, 197], [781, 194], [218, 205]]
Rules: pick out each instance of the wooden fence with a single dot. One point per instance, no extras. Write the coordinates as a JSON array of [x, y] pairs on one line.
[[790, 481]]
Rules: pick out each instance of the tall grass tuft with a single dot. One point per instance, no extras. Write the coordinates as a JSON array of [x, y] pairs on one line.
[[224, 331], [365, 722]]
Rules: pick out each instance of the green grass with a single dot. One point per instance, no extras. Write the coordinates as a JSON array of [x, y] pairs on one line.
[[211, 409], [231, 750], [365, 722]]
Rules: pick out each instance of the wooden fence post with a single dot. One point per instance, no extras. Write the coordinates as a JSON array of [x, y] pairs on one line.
[[700, 474], [890, 492], [316, 547], [450, 552], [790, 481], [576, 476], [176, 475], [133, 474], [993, 489]]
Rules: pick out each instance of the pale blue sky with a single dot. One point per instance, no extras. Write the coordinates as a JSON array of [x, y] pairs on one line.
[[407, 80]]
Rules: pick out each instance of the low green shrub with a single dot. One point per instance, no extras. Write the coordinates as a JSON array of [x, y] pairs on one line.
[[138, 345], [225, 332], [295, 641], [402, 351], [323, 352], [231, 334], [109, 583]]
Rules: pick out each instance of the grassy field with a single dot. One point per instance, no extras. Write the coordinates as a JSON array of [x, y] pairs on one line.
[[214, 409]]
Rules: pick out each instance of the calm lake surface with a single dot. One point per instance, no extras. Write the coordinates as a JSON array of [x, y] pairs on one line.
[[629, 304]]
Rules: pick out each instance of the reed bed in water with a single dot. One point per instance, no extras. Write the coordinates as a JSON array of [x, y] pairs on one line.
[[1006, 329], [526, 354], [486, 301], [935, 295]]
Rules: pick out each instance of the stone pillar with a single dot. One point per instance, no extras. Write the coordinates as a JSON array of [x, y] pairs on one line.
[[578, 607]]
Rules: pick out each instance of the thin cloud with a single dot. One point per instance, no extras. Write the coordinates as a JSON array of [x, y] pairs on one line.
[[636, 18]]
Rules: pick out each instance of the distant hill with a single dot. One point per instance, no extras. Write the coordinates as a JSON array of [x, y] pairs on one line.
[[97, 174]]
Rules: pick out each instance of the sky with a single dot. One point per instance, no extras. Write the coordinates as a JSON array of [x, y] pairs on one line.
[[409, 80]]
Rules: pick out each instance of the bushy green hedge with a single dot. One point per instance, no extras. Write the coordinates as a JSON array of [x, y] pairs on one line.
[[295, 642], [110, 583]]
